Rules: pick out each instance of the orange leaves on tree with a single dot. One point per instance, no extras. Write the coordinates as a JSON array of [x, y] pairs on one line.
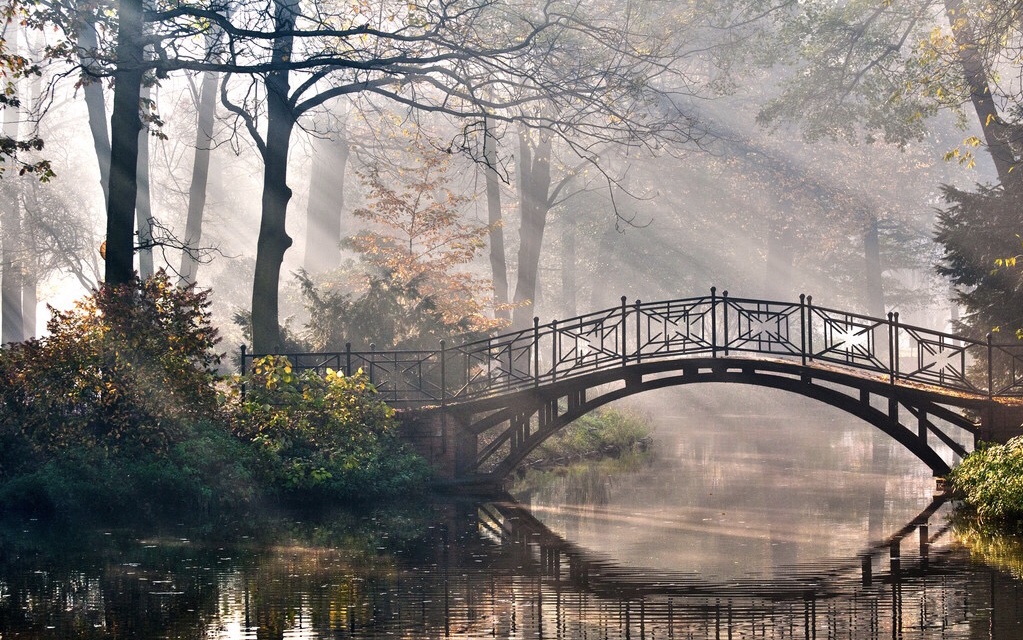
[[417, 235]]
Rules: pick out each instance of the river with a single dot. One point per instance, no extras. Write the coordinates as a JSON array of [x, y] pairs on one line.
[[757, 515]]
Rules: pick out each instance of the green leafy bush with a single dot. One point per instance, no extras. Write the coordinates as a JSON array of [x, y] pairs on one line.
[[208, 472], [119, 412], [607, 433], [116, 410], [990, 480], [324, 436]]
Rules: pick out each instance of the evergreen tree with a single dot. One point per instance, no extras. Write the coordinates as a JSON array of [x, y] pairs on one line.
[[979, 231]]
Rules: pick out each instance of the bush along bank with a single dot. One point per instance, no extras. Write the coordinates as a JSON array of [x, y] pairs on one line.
[[609, 433], [118, 412], [989, 482], [323, 437]]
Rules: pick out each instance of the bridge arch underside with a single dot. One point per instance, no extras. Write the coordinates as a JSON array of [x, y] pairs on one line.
[[507, 429]]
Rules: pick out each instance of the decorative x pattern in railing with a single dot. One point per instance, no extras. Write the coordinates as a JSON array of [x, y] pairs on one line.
[[714, 325]]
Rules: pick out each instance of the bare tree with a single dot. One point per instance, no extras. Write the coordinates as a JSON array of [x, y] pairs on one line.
[[206, 107], [587, 75]]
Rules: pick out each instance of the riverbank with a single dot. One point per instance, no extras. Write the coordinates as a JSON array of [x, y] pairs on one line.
[[119, 414], [989, 482], [604, 433]]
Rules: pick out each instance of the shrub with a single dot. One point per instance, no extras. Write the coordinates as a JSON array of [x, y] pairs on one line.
[[321, 437], [126, 370], [207, 472], [605, 433], [990, 480], [116, 412]]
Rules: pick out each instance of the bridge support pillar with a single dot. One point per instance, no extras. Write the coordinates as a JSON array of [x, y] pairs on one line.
[[442, 438], [999, 423]]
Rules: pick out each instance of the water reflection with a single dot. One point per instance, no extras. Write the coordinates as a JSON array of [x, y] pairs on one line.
[[741, 488], [720, 536], [485, 570]]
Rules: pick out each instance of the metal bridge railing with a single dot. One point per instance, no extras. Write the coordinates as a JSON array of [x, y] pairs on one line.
[[714, 325]]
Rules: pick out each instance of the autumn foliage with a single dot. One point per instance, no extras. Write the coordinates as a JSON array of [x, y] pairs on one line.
[[414, 286], [126, 369], [119, 411]]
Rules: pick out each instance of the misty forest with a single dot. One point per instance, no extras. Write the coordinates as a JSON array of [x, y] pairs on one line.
[[362, 319], [311, 177], [397, 173]]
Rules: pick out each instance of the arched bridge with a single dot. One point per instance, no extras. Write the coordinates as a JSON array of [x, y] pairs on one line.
[[477, 409]]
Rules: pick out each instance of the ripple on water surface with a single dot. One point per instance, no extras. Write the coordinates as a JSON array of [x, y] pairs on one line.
[[724, 534]]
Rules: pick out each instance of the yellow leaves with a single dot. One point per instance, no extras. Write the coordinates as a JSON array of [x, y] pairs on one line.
[[965, 157]]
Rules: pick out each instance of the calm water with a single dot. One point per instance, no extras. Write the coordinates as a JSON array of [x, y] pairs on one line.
[[758, 517]]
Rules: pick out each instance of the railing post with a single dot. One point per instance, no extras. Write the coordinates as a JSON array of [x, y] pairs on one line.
[[639, 329], [809, 328], [714, 322], [892, 348], [536, 351], [511, 361], [990, 368], [372, 361], [443, 375], [554, 350], [625, 335], [724, 301], [348, 358], [802, 327], [242, 370], [895, 344]]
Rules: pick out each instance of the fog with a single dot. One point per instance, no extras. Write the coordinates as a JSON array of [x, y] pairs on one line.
[[754, 208]]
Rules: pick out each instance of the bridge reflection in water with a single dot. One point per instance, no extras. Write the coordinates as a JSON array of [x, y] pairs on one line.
[[894, 589], [493, 570]]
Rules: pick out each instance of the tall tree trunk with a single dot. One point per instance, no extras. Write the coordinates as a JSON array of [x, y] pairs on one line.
[[30, 298], [124, 129], [96, 107], [143, 207], [498, 261], [11, 256], [200, 177], [30, 241], [273, 237], [11, 246], [534, 189], [601, 296], [326, 204], [872, 265], [997, 134]]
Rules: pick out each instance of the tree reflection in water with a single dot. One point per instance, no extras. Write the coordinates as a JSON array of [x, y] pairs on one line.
[[464, 569]]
